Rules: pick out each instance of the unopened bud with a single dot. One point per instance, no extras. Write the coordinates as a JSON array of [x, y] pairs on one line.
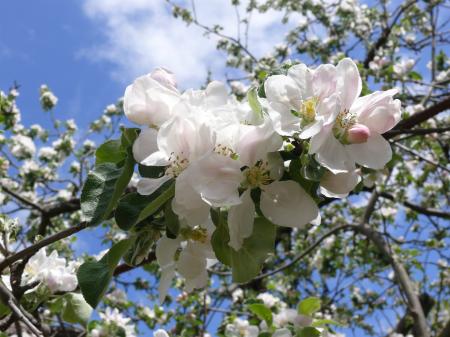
[[358, 134]]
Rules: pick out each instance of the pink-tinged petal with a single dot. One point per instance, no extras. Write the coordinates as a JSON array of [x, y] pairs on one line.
[[165, 78], [286, 203], [319, 139], [283, 89], [339, 185], [146, 186], [216, 178], [328, 109], [333, 155], [303, 76], [145, 144], [256, 141], [374, 154], [324, 81], [349, 82], [378, 111], [240, 221]]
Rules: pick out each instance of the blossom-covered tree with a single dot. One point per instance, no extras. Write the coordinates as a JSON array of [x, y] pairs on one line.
[[306, 196]]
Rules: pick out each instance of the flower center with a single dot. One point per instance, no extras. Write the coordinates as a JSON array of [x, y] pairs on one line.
[[308, 110], [226, 151], [344, 121], [198, 234], [257, 176], [177, 165]]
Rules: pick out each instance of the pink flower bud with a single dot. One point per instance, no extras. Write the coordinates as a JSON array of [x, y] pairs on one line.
[[164, 77], [358, 134]]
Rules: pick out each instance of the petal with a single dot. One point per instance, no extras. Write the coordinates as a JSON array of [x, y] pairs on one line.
[[165, 251], [156, 159], [216, 94], [285, 203], [312, 129], [375, 153], [160, 333], [378, 111], [283, 120], [216, 178], [145, 144], [283, 89], [303, 77], [349, 82], [240, 221], [146, 186], [165, 281], [324, 81], [256, 141], [333, 155], [339, 185]]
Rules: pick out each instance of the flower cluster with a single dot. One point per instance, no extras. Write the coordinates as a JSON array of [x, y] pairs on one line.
[[233, 156]]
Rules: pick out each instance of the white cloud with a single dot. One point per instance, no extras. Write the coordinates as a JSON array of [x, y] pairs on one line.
[[142, 34]]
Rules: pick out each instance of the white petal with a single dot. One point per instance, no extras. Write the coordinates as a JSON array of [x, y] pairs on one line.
[[312, 129], [303, 76], [240, 221], [283, 89], [324, 81], [284, 122], [145, 144], [160, 333], [375, 153], [285, 203], [165, 251], [216, 178], [282, 333], [256, 141], [146, 186], [349, 82], [216, 94], [333, 155], [378, 111], [165, 281], [339, 185], [157, 158]]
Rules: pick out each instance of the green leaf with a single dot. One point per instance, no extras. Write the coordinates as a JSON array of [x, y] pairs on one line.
[[151, 171], [309, 306], [247, 262], [308, 332], [76, 310], [262, 312], [172, 221], [94, 276], [110, 152], [129, 135], [129, 208], [252, 98], [158, 202], [321, 322]]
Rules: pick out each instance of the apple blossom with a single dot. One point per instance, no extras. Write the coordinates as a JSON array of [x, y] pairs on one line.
[[241, 328]]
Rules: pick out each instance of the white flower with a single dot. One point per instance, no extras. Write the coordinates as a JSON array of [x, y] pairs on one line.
[[287, 315], [355, 135], [22, 146], [303, 101], [402, 67], [241, 328], [150, 99], [190, 254], [268, 299], [160, 333], [237, 295], [284, 203], [51, 270], [117, 296], [113, 316], [47, 153]]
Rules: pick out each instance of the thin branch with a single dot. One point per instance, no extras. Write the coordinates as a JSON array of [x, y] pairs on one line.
[[396, 132], [30, 250], [23, 200], [418, 155]]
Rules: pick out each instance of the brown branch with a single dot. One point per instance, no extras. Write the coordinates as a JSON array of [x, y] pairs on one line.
[[123, 268], [417, 132], [406, 285], [17, 311], [30, 250], [23, 200]]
